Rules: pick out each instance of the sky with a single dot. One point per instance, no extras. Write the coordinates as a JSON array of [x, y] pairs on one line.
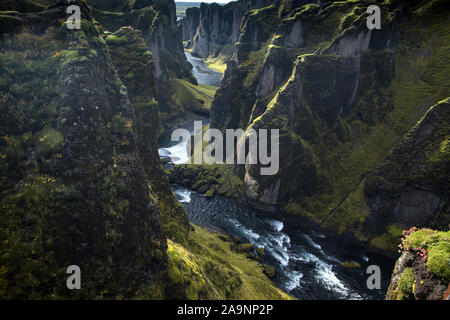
[[207, 1]]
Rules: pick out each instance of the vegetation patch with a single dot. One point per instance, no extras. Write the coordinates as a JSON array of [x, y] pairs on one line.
[[207, 268], [433, 247]]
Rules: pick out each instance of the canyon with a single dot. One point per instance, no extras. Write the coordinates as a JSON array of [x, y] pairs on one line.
[[88, 174]]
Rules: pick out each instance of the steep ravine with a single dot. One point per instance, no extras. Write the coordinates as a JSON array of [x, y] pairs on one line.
[[365, 150], [307, 262], [363, 119]]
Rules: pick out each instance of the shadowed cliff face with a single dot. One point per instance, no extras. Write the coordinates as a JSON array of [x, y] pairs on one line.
[[411, 184], [74, 189], [135, 66], [189, 24], [80, 176], [157, 22], [343, 97]]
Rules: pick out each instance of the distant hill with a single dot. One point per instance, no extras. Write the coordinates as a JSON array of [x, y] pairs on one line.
[[182, 6]]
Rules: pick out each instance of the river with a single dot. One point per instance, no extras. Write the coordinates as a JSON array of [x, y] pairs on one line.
[[307, 262]]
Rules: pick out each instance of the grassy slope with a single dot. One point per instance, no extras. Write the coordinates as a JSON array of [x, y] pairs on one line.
[[194, 97], [207, 269], [217, 63]]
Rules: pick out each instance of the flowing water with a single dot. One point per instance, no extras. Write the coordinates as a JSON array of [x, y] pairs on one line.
[[203, 74], [308, 263]]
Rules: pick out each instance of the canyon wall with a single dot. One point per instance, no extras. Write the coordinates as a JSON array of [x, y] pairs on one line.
[[343, 97], [189, 24], [213, 28], [157, 23], [74, 188]]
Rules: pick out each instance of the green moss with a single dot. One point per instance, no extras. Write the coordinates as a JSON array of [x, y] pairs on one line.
[[207, 268], [191, 97], [405, 285], [439, 259], [184, 271], [350, 265], [351, 18], [198, 98], [351, 214], [50, 141], [260, 251], [269, 271], [254, 63], [210, 193], [218, 63], [395, 230], [292, 208], [115, 40], [244, 247], [387, 241], [203, 177]]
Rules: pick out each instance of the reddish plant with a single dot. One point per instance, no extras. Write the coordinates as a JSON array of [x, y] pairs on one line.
[[403, 246]]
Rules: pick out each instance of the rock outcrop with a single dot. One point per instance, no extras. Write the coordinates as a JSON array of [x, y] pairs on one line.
[[80, 178], [410, 187], [189, 24], [422, 272]]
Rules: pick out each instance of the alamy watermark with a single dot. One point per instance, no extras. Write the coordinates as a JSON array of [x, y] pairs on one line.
[[74, 280], [74, 21], [374, 280], [374, 19], [241, 147]]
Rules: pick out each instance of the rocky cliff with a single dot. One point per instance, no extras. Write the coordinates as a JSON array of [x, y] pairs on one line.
[[343, 97], [73, 188], [189, 24], [213, 29], [80, 178], [157, 22], [134, 63]]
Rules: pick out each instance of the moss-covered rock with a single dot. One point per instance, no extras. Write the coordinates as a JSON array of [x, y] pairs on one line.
[[423, 269], [134, 64], [72, 167], [213, 179], [157, 23], [260, 251]]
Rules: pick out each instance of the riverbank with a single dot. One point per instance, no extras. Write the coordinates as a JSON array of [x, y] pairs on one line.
[[208, 268]]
